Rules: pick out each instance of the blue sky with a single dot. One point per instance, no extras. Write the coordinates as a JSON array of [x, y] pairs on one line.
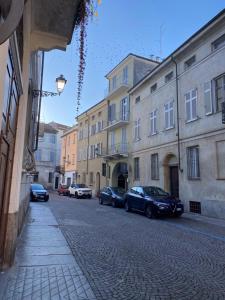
[[122, 27]]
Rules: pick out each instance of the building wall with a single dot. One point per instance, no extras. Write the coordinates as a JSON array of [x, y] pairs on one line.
[[89, 164], [206, 131]]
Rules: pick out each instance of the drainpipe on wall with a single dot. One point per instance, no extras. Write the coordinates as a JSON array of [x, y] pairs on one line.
[[178, 116]]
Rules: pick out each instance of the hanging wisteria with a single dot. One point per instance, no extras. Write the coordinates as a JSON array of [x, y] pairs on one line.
[[87, 9]]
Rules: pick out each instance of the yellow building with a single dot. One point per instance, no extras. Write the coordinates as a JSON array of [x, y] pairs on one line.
[[119, 125], [69, 156], [92, 140]]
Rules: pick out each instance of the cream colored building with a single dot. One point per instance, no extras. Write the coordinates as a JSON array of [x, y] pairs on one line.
[[179, 141], [68, 161], [92, 139], [27, 28], [119, 142]]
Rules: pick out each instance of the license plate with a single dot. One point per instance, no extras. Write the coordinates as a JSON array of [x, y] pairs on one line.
[[178, 209]]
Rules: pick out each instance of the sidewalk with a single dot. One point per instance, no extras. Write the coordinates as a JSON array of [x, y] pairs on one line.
[[44, 266]]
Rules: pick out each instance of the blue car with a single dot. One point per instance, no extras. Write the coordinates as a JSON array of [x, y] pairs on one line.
[[112, 195], [153, 201]]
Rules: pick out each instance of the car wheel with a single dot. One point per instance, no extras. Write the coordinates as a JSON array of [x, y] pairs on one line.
[[127, 207], [76, 195], [100, 201], [114, 203], [149, 212], [70, 195]]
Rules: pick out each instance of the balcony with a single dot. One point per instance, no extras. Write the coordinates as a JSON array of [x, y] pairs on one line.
[[117, 87], [116, 151], [118, 120]]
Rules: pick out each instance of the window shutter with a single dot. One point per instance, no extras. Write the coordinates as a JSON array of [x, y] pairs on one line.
[[208, 97]]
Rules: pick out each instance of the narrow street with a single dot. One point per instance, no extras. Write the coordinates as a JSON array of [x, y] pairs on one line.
[[127, 256]]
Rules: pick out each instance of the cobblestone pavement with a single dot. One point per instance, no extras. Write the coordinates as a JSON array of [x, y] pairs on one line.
[[127, 256]]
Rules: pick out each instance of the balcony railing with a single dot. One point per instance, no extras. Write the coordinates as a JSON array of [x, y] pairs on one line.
[[119, 85], [118, 120], [116, 151]]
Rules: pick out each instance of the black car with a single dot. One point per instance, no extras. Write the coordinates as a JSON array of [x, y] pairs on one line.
[[112, 195], [153, 201], [38, 192]]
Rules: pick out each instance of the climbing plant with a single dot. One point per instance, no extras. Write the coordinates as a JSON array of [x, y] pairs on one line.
[[87, 9]]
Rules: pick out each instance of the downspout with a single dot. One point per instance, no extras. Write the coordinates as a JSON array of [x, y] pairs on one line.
[[39, 107], [178, 116]]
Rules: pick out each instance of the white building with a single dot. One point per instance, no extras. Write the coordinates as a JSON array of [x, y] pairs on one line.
[[47, 156], [178, 136]]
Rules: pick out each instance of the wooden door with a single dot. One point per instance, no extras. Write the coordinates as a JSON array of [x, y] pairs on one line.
[[174, 181], [7, 145]]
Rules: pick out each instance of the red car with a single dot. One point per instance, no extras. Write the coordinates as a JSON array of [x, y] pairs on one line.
[[63, 190]]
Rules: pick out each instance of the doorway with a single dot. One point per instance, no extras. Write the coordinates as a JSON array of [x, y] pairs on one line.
[[122, 181], [56, 182], [174, 181]]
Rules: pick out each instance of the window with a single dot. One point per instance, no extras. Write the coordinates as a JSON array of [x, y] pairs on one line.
[[219, 92], [153, 88], [80, 134], [169, 115], [93, 129], [125, 74], [103, 169], [169, 77], [188, 63], [99, 126], [136, 169], [50, 177], [99, 114], [112, 112], [191, 105], [208, 98], [193, 170], [124, 109], [137, 124], [220, 153], [99, 149], [38, 155], [219, 43], [91, 178], [153, 116], [52, 138], [138, 99], [92, 152], [114, 82], [155, 166], [52, 156]]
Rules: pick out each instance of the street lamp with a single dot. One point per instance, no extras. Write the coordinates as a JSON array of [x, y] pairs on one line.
[[60, 84]]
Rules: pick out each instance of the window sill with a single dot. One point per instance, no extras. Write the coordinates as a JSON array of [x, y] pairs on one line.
[[137, 140], [169, 128], [194, 179], [193, 120], [152, 134]]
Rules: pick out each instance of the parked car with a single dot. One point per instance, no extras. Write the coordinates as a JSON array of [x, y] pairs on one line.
[[38, 192], [153, 201], [80, 190], [63, 190], [112, 195]]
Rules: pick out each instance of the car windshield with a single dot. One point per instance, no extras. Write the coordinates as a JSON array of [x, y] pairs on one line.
[[154, 191], [37, 187], [81, 185], [118, 190]]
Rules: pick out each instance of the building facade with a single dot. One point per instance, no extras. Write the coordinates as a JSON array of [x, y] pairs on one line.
[[27, 29], [48, 154], [180, 145], [68, 161], [92, 139], [119, 143]]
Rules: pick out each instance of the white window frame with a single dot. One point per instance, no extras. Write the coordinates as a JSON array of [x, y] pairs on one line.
[[191, 100], [208, 93], [169, 112], [137, 126], [153, 122], [193, 163]]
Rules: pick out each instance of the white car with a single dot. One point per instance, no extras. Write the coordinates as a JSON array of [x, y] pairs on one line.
[[80, 190]]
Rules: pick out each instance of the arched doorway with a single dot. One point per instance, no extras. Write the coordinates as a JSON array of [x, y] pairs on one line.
[[97, 183], [120, 175], [171, 174]]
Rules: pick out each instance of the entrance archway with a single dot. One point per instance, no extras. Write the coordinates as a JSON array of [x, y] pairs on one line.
[[120, 175], [97, 183], [171, 175]]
